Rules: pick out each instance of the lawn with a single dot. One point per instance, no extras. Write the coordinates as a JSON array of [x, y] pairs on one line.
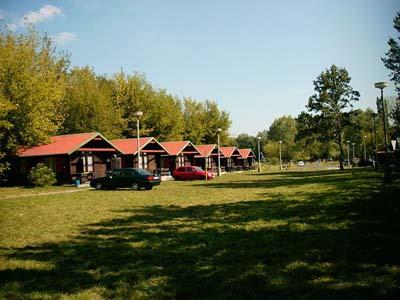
[[290, 235]]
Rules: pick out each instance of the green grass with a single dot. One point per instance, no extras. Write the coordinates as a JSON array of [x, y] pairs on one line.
[[290, 235]]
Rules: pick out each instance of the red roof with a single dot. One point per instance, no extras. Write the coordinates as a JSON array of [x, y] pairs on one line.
[[205, 150], [60, 144], [245, 153], [129, 146], [228, 151], [176, 148]]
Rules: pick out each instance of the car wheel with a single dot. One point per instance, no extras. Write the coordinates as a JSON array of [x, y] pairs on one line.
[[148, 187], [98, 186], [135, 186]]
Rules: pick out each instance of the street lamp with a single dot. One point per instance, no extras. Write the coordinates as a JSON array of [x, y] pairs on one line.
[[348, 153], [138, 114], [280, 154], [381, 86], [259, 154], [352, 160], [219, 156], [374, 115], [365, 149]]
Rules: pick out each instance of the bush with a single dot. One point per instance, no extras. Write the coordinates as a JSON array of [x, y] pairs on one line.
[[41, 175]]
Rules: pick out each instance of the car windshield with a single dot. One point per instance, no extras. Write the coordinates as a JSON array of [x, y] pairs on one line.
[[198, 169], [141, 172]]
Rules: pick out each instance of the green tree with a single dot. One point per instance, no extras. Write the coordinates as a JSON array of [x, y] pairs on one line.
[[213, 119], [201, 121], [392, 59], [395, 115], [165, 117], [245, 140], [32, 87], [283, 129], [88, 104], [331, 102]]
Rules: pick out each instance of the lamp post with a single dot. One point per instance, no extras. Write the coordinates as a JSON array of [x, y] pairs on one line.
[[219, 156], [138, 114], [381, 86], [280, 154], [374, 115], [259, 154], [352, 160], [365, 149], [348, 153]]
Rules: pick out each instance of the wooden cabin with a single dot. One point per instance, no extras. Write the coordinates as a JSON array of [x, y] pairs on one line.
[[230, 159], [208, 157], [150, 153], [247, 159], [180, 154], [73, 156]]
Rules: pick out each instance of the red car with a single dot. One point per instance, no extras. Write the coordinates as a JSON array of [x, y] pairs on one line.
[[191, 173]]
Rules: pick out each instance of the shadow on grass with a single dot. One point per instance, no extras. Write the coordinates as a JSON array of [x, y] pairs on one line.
[[340, 180], [318, 248]]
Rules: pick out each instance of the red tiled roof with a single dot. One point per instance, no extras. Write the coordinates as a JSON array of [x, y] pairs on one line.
[[228, 151], [59, 144], [178, 147], [205, 150], [245, 153], [129, 146]]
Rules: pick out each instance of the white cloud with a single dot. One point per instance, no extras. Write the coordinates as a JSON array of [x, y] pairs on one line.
[[64, 37], [47, 12]]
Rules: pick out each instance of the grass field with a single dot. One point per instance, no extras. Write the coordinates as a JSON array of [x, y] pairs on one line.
[[290, 235]]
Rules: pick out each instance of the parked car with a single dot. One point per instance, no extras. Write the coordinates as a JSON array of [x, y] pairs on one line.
[[191, 173], [300, 163], [128, 177]]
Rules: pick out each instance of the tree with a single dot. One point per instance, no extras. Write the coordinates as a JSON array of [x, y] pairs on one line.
[[392, 59], [32, 87], [331, 102], [283, 129], [201, 121], [395, 116], [245, 140], [88, 104]]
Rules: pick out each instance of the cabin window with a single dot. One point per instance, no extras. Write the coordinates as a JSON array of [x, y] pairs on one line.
[[89, 159], [23, 166], [51, 163], [143, 161], [85, 164], [181, 161]]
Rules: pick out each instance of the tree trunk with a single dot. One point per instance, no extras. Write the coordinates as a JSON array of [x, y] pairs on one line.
[[339, 130]]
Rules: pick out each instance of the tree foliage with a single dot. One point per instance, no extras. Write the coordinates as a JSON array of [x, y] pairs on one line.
[[88, 106], [32, 87], [392, 58], [332, 104], [40, 97]]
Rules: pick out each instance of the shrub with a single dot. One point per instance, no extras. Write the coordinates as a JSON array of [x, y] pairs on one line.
[[41, 175]]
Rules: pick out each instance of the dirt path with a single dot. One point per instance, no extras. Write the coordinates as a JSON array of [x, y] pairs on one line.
[[44, 193]]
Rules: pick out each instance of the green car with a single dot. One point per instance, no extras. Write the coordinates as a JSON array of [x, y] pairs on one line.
[[126, 178]]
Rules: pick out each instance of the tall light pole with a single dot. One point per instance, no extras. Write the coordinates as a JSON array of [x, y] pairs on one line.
[[259, 154], [138, 114], [352, 160], [374, 115], [381, 86], [280, 154], [219, 156], [348, 153], [365, 149]]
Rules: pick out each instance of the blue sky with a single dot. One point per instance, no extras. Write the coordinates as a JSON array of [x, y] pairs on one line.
[[257, 59]]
